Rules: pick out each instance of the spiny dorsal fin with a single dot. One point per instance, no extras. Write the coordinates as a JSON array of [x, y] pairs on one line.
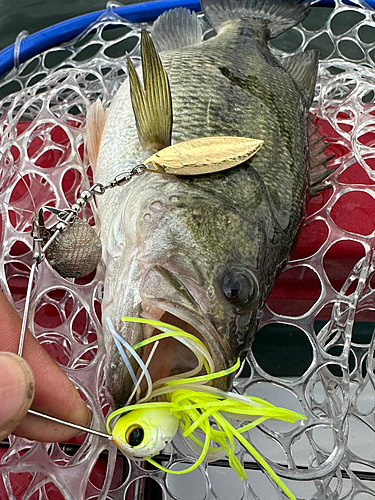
[[95, 121], [303, 69], [276, 16], [318, 170], [176, 28], [152, 106]]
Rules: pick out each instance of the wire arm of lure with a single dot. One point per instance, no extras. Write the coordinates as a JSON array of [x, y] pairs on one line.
[[37, 257], [69, 424], [27, 304], [64, 216]]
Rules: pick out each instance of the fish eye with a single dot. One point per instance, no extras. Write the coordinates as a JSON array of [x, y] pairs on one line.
[[135, 435], [239, 287]]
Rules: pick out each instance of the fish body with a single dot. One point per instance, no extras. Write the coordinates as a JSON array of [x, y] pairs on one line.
[[205, 250]]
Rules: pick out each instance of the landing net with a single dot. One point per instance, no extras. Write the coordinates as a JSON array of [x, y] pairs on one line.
[[331, 314]]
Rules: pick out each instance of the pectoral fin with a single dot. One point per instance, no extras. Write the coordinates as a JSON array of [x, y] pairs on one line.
[[152, 105], [95, 121]]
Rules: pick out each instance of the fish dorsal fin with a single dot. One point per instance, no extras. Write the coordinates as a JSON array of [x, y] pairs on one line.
[[176, 28], [303, 69], [274, 15], [152, 105], [95, 121]]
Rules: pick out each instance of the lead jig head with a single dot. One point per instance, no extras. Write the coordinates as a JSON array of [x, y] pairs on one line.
[[145, 432]]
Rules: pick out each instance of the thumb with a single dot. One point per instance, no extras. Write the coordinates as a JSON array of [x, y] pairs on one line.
[[16, 391]]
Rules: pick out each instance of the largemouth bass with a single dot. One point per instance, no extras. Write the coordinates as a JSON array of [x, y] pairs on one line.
[[204, 251]]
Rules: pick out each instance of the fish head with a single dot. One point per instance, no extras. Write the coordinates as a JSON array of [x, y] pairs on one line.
[[192, 259]]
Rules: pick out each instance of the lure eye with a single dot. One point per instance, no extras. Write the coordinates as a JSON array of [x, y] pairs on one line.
[[239, 287], [135, 436]]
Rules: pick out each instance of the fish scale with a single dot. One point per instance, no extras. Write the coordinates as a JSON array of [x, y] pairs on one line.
[[203, 67], [237, 226], [285, 185]]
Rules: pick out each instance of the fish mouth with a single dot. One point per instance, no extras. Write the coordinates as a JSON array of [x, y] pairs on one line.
[[174, 358], [180, 301]]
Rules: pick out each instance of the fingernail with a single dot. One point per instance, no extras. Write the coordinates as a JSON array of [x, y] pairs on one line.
[[16, 390]]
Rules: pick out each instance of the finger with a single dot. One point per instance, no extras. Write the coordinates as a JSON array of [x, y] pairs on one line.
[[55, 395], [16, 391]]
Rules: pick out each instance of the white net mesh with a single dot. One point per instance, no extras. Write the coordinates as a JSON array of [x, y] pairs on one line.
[[330, 457]]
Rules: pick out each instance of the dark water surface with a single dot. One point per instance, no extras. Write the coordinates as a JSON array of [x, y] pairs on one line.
[[34, 15]]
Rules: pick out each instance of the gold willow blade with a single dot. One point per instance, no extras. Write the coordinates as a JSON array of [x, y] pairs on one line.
[[203, 156]]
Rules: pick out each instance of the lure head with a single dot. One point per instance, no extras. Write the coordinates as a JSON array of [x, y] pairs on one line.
[[144, 433]]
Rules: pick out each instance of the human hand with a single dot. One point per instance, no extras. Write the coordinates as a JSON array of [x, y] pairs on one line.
[[54, 394], [17, 389]]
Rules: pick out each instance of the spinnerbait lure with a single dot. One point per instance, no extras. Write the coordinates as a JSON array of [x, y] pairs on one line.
[[187, 401]]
